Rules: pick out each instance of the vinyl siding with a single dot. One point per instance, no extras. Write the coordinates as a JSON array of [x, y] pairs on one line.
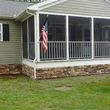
[[82, 7], [11, 51]]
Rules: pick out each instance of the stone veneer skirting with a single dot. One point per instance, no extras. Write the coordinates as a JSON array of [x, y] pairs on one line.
[[28, 70], [49, 73], [11, 69], [72, 71]]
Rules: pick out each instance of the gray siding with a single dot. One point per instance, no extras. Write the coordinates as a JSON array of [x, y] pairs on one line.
[[11, 51], [82, 7]]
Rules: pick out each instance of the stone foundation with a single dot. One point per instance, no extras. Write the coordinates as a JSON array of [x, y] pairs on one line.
[[11, 69], [72, 71], [55, 72], [28, 70]]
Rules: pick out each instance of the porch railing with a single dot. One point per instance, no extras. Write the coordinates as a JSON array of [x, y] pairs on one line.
[[56, 51], [77, 50], [102, 49]]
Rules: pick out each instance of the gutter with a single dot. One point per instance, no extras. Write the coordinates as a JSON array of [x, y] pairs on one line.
[[27, 11], [34, 61], [7, 17]]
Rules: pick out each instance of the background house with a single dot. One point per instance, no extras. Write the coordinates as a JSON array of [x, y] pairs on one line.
[[78, 38]]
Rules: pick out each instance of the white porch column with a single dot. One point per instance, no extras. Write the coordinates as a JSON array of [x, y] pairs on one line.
[[67, 37], [35, 34], [92, 35], [37, 37], [35, 45]]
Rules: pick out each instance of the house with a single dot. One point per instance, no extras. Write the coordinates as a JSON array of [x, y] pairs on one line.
[[78, 38]]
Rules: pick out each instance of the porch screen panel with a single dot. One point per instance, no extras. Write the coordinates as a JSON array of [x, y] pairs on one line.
[[31, 37], [56, 37], [24, 34], [102, 38], [79, 38]]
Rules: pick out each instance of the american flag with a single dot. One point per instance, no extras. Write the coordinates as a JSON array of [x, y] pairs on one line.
[[44, 33]]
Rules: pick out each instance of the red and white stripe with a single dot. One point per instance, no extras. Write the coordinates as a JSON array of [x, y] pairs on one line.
[[44, 39]]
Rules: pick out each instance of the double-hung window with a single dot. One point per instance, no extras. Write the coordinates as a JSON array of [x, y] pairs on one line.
[[4, 32]]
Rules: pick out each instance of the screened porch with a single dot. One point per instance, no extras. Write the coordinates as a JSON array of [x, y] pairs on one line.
[[80, 38], [69, 37]]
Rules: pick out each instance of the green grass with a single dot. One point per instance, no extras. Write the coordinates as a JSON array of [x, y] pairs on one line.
[[77, 93]]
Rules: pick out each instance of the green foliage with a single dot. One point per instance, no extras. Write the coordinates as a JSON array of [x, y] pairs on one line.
[[77, 93]]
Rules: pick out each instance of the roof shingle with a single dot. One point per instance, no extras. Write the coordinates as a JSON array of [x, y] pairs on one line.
[[12, 8]]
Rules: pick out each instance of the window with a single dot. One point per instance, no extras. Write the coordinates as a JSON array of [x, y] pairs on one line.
[[4, 32]]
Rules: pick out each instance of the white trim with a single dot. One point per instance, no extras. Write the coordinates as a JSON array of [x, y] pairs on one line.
[[92, 35], [62, 14], [72, 63], [38, 37], [35, 68], [36, 6], [28, 62], [29, 13], [67, 38], [35, 34], [35, 41]]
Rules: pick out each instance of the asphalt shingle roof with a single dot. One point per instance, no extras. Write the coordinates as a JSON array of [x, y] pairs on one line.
[[12, 8]]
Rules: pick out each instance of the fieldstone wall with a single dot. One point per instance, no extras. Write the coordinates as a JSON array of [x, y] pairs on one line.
[[11, 69], [72, 71], [55, 72], [28, 70]]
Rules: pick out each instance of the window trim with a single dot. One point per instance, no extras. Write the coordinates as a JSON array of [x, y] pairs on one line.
[[1, 32]]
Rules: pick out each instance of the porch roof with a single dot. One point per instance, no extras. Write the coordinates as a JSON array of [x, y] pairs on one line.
[[45, 4], [74, 7]]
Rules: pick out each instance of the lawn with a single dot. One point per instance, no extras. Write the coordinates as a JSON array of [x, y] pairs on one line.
[[75, 93]]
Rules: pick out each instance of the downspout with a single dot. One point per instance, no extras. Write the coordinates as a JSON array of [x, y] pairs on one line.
[[34, 61]]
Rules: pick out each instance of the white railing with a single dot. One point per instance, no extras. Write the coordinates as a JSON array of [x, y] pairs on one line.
[[56, 51], [102, 49], [77, 50], [80, 49]]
